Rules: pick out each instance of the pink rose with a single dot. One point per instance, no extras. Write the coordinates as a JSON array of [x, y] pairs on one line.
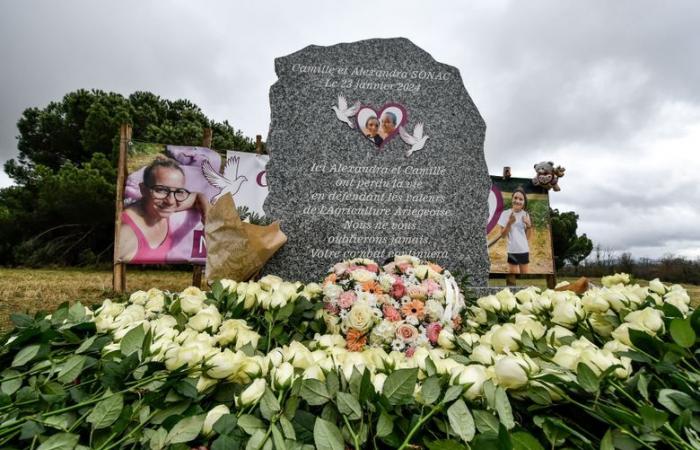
[[398, 290], [430, 286], [391, 314], [403, 267], [406, 332], [372, 268], [410, 351], [433, 331], [347, 299]]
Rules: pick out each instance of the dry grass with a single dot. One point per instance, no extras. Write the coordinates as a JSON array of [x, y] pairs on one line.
[[31, 290]]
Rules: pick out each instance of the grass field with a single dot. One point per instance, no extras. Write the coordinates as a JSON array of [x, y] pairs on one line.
[[31, 290]]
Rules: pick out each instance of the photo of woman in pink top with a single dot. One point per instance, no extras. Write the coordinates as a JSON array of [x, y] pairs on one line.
[[146, 235]]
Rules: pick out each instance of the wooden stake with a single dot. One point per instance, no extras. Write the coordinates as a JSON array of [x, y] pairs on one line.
[[119, 269], [258, 144], [510, 279], [197, 270]]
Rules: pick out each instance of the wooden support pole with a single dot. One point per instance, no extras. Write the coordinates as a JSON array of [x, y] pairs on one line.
[[258, 144], [119, 269], [198, 270], [510, 279]]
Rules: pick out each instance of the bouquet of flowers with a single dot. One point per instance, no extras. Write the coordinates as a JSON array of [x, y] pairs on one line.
[[404, 305]]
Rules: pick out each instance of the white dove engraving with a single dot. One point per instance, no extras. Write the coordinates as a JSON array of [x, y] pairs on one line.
[[344, 113], [226, 183], [416, 140]]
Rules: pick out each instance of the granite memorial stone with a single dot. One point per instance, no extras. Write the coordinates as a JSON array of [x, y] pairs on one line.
[[376, 149]]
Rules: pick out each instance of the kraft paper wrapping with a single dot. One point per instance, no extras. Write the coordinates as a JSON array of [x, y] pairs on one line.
[[235, 249]]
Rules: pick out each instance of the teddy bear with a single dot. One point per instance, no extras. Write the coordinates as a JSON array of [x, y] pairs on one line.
[[548, 175]]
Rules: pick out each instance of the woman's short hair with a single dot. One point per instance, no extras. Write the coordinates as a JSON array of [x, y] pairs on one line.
[[165, 163], [392, 116], [520, 190]]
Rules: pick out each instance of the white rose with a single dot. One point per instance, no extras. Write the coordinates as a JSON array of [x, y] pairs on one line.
[[360, 317], [289, 290], [155, 302], [594, 302], [212, 416], [270, 282], [566, 314], [362, 275], [616, 346], [489, 303], [649, 319], [567, 357], [483, 354], [471, 339], [507, 300], [138, 298], [679, 299], [252, 293], [229, 330], [378, 382], [275, 357], [433, 310], [510, 372], [622, 334], [228, 285], [245, 337], [110, 309], [283, 376], [657, 286], [277, 300], [204, 383], [530, 325], [506, 338], [222, 365], [527, 295], [314, 373], [208, 317], [597, 360], [474, 374], [446, 365], [603, 324], [191, 300], [479, 315], [556, 333], [253, 393], [421, 272], [446, 339], [311, 290]]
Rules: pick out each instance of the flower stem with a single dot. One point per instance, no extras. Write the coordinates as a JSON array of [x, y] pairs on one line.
[[420, 423]]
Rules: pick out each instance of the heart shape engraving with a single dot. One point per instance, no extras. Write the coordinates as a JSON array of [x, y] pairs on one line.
[[380, 125]]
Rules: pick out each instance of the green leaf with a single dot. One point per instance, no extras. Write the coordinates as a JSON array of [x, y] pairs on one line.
[[539, 395], [522, 440], [85, 345], [106, 412], [25, 355], [251, 424], [60, 441], [269, 406], [288, 428], [586, 378], [277, 437], [226, 424], [445, 444], [385, 425], [490, 393], [461, 420], [327, 436], [677, 401], [71, 368], [314, 392], [695, 321], [430, 391], [225, 442], [157, 441], [185, 430], [644, 342], [505, 413], [132, 341], [607, 442], [653, 418], [643, 386], [399, 386], [485, 421], [682, 332], [349, 406], [9, 387], [452, 393], [257, 441]]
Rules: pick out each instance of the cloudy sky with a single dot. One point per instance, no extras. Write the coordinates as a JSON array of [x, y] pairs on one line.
[[611, 90]]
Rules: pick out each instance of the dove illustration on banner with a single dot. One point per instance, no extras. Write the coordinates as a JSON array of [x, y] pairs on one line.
[[415, 140], [227, 183], [344, 112]]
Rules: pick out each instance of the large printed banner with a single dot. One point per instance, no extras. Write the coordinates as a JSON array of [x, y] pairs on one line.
[[168, 189], [518, 231]]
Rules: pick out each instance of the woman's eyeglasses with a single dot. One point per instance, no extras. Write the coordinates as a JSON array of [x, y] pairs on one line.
[[161, 192]]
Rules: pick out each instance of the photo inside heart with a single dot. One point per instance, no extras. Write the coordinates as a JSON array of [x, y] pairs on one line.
[[380, 125]]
